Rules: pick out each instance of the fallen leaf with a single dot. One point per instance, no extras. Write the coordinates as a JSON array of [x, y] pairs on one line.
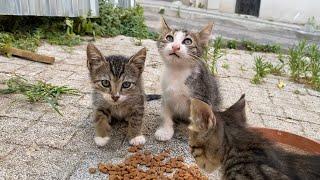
[[281, 84]]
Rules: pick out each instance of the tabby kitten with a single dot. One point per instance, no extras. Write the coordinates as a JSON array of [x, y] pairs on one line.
[[185, 75], [118, 93], [223, 139]]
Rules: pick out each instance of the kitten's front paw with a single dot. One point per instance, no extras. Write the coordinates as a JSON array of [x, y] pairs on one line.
[[101, 141], [138, 140], [164, 133]]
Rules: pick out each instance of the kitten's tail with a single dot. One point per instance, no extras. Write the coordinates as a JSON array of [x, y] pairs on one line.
[[151, 97]]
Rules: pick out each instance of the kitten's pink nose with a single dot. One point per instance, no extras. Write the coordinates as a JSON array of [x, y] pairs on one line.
[[115, 97], [175, 47]]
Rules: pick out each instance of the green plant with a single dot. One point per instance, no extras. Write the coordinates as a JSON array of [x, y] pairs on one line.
[[277, 69], [314, 65], [261, 68], [212, 53], [252, 46], [24, 41], [179, 12], [60, 38], [312, 22], [202, 6], [115, 21], [248, 45], [225, 65], [232, 44], [69, 24], [25, 32], [161, 11], [38, 92], [298, 61], [84, 26]]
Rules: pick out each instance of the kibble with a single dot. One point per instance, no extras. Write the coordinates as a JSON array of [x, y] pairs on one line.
[[92, 170], [145, 165]]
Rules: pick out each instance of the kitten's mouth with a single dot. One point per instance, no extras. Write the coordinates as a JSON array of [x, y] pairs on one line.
[[174, 54]]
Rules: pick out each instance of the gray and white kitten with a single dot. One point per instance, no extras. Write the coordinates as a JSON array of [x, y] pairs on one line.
[[185, 75], [118, 93]]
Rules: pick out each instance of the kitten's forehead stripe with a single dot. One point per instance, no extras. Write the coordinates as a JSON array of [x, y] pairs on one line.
[[117, 65]]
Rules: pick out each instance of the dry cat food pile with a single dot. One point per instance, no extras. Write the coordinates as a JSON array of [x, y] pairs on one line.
[[145, 165]]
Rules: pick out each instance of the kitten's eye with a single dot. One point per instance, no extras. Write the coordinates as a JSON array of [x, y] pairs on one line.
[[126, 84], [187, 41], [169, 38], [105, 83]]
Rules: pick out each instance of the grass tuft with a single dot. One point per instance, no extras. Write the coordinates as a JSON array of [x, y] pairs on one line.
[[212, 53], [38, 92], [261, 68]]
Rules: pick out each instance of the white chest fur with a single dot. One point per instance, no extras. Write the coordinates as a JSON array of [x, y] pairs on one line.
[[175, 93]]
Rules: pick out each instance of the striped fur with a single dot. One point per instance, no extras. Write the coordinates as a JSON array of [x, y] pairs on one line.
[[224, 140], [112, 99]]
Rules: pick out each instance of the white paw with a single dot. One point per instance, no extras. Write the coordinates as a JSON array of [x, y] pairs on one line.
[[164, 133], [138, 140], [101, 141]]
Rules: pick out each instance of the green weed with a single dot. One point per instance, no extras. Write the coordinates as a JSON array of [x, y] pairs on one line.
[[65, 39], [297, 61], [250, 46], [25, 32], [277, 69], [179, 12], [255, 47], [25, 41], [115, 21], [262, 69], [161, 11], [38, 92], [212, 53], [232, 44], [314, 65], [225, 65]]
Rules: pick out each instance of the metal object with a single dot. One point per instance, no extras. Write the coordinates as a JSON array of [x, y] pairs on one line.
[[70, 8], [123, 3]]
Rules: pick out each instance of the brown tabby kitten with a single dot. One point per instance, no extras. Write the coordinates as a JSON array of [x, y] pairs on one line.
[[223, 139], [118, 93], [185, 75]]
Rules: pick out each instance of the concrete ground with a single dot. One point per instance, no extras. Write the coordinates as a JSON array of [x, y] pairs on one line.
[[38, 143]]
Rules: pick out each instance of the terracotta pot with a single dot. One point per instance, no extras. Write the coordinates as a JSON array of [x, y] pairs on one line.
[[290, 139]]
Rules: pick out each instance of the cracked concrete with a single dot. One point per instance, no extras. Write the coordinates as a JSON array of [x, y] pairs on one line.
[[37, 143]]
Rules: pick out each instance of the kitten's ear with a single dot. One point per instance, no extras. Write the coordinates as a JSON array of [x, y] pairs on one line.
[[164, 25], [94, 57], [238, 110], [201, 116], [138, 59], [205, 33]]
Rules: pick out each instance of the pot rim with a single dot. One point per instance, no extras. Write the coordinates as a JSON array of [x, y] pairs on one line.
[[284, 137]]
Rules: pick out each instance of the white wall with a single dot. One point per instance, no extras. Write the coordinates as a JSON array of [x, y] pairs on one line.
[[293, 11], [213, 4], [290, 11], [227, 6]]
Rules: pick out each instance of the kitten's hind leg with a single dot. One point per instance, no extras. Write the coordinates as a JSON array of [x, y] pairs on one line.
[[103, 129], [165, 131]]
